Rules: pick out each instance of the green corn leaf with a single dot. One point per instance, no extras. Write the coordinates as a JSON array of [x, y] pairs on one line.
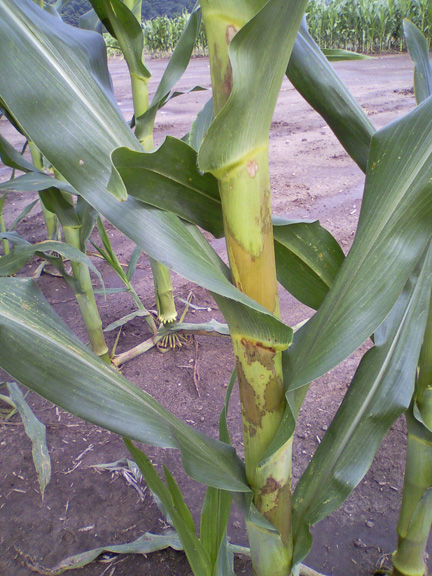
[[77, 101], [201, 125], [36, 431], [308, 259], [12, 158], [307, 256], [87, 216], [125, 319], [169, 179], [61, 206], [174, 71], [393, 231], [338, 55], [315, 79], [23, 214], [24, 250], [122, 24], [217, 506], [178, 501], [419, 51], [380, 392], [242, 126], [61, 369], [35, 181], [133, 261], [197, 555]]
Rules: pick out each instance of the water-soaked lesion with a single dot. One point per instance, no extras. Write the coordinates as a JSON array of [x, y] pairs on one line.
[[256, 352], [253, 414]]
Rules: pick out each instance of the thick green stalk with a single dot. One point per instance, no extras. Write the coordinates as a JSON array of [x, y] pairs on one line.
[[86, 300], [415, 518], [246, 203]]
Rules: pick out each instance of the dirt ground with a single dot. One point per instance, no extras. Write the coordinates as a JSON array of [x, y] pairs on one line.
[[84, 507]]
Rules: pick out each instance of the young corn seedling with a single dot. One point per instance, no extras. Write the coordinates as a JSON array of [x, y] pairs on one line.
[[252, 44]]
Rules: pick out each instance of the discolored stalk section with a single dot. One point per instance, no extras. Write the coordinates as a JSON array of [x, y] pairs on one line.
[[246, 203], [415, 518]]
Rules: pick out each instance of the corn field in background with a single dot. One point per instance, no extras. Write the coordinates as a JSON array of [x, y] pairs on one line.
[[359, 25], [162, 34], [367, 25]]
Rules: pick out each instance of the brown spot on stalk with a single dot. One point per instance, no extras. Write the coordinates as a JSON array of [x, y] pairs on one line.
[[256, 352], [230, 32], [279, 514], [273, 396], [228, 81], [252, 168], [251, 411], [270, 486]]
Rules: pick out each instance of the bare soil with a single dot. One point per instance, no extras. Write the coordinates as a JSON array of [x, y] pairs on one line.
[[84, 507]]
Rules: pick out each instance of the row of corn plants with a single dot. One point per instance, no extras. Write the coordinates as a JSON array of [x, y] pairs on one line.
[[162, 34], [220, 183], [359, 25], [367, 25]]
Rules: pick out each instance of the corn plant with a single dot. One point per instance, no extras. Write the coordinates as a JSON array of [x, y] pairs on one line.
[[159, 199], [415, 518]]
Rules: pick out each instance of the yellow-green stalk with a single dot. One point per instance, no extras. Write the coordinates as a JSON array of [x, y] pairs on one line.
[[246, 202], [415, 518]]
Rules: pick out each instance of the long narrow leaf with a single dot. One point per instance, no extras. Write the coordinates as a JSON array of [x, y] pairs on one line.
[[64, 371], [393, 231], [182, 520], [77, 101], [313, 76], [380, 392], [419, 51], [168, 179], [36, 431], [145, 544]]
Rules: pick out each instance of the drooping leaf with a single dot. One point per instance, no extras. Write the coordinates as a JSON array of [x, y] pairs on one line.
[[124, 26], [35, 181], [393, 231], [11, 157], [145, 544], [36, 431], [338, 55], [201, 125], [173, 72], [78, 103], [380, 392], [22, 215], [168, 179], [308, 259], [61, 369], [181, 518], [315, 79], [419, 51], [23, 251]]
